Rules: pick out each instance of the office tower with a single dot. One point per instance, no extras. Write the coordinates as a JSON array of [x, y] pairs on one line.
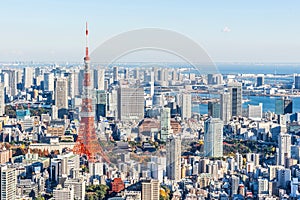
[[101, 103], [96, 170], [130, 104], [8, 183], [63, 193], [48, 82], [283, 176], [87, 140], [113, 103], [288, 106], [174, 75], [61, 93], [12, 82], [235, 90], [79, 187], [2, 99], [27, 77], [136, 74], [235, 181], [213, 137], [283, 106], [297, 81], [173, 148], [260, 81], [255, 111], [284, 147], [214, 109], [99, 78], [157, 99], [214, 79], [150, 189], [76, 85], [165, 125], [115, 74], [279, 106], [151, 88], [71, 85], [126, 74], [263, 186], [225, 107], [186, 106]]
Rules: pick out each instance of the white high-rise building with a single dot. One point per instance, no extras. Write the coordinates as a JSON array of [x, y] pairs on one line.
[[27, 77], [61, 93], [12, 82], [96, 169], [130, 104], [63, 193], [165, 123], [2, 99], [99, 78], [71, 85], [8, 183], [79, 187], [186, 106], [213, 138], [235, 181], [150, 190], [225, 107], [263, 186], [284, 147], [48, 82], [173, 158], [255, 111]]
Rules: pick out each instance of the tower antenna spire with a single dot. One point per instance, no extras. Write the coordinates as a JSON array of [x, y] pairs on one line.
[[86, 42]]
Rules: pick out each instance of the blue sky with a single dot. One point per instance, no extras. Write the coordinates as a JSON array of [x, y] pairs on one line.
[[231, 31]]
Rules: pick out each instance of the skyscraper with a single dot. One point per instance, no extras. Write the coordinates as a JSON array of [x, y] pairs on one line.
[[48, 82], [99, 78], [12, 89], [27, 77], [186, 106], [260, 80], [71, 84], [61, 94], [79, 187], [165, 125], [214, 109], [8, 183], [2, 99], [225, 107], [115, 74], [150, 189], [255, 111], [173, 158], [101, 103], [284, 147], [283, 106], [130, 103], [213, 137], [235, 90], [235, 181], [297, 81], [288, 106]]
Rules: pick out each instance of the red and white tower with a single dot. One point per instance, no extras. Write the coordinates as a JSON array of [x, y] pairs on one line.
[[87, 142]]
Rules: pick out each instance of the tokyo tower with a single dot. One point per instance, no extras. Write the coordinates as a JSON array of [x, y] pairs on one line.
[[87, 142]]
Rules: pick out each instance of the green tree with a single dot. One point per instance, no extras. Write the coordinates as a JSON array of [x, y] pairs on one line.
[[96, 192]]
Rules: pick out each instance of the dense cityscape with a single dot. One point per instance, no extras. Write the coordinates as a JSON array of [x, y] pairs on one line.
[[149, 130]]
